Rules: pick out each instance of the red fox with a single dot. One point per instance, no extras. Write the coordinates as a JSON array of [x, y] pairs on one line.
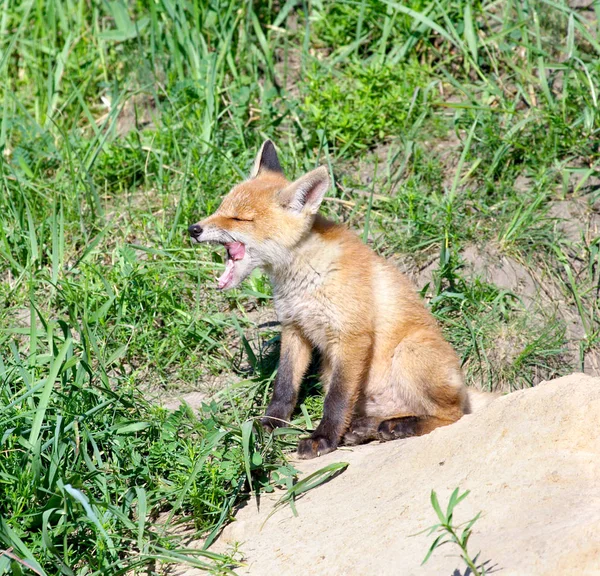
[[387, 371]]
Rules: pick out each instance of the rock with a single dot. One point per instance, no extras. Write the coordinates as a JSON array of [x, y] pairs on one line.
[[531, 461]]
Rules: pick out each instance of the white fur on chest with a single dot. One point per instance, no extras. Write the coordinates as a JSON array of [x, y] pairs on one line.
[[301, 298]]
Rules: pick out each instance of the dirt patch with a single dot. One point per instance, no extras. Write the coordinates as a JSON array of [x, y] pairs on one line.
[[368, 170], [206, 389], [531, 460], [576, 218], [585, 8], [288, 71], [193, 399], [372, 166], [288, 65], [490, 265], [448, 150], [569, 216], [419, 272], [138, 112], [501, 270], [591, 362], [523, 183]]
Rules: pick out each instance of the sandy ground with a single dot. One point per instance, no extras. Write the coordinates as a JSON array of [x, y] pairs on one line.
[[531, 460]]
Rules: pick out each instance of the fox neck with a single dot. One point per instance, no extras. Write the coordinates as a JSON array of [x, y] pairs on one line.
[[304, 266]]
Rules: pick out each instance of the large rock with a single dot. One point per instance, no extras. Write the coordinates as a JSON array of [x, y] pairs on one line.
[[531, 460]]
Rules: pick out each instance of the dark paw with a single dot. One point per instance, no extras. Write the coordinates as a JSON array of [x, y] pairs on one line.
[[269, 423], [353, 438], [362, 430], [356, 437], [399, 428], [278, 415], [315, 446]]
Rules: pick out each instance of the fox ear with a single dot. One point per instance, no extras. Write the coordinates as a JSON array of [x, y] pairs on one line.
[[266, 159], [306, 193]]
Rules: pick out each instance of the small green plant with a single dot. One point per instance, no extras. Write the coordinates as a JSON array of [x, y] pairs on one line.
[[448, 533], [311, 481], [361, 104]]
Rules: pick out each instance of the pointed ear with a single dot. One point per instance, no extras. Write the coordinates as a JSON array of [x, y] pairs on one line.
[[266, 159], [306, 193]]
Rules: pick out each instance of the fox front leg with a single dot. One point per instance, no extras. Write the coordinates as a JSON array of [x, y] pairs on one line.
[[347, 371], [293, 362]]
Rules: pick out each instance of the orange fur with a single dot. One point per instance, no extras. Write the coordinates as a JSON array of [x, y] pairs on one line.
[[384, 357]]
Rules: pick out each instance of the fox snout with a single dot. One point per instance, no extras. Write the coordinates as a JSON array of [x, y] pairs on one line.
[[208, 231], [262, 219], [195, 231]]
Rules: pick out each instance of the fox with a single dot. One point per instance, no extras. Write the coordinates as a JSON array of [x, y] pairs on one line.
[[387, 371]]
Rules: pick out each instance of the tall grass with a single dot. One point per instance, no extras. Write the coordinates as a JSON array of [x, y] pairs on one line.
[[88, 463]]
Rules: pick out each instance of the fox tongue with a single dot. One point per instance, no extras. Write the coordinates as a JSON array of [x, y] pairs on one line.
[[227, 276], [236, 250]]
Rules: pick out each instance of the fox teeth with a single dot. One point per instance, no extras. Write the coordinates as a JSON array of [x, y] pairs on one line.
[[235, 251], [226, 278]]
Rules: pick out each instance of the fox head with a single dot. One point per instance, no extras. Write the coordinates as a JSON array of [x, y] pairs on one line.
[[262, 219]]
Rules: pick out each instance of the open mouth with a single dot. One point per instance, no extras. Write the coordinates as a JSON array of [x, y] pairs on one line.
[[235, 252]]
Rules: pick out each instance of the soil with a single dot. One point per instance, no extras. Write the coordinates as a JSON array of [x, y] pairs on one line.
[[531, 460]]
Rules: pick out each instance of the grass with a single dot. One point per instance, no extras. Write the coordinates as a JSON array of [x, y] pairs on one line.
[[456, 131], [448, 533]]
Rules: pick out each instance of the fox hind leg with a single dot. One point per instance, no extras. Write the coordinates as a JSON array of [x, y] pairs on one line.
[[431, 377], [364, 429], [406, 426]]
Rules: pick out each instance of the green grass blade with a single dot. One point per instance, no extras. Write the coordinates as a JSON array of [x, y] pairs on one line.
[[247, 429], [313, 480], [44, 400], [91, 514]]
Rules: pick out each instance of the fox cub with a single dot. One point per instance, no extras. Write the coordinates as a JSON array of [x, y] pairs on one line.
[[386, 369]]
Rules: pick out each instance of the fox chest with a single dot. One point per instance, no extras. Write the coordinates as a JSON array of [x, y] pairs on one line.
[[312, 312]]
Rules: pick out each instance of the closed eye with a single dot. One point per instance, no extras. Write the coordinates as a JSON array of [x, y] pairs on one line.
[[238, 219]]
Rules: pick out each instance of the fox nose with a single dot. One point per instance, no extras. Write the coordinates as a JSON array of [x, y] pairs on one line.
[[195, 230]]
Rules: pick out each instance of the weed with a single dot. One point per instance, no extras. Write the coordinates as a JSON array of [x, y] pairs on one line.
[[449, 534], [364, 105]]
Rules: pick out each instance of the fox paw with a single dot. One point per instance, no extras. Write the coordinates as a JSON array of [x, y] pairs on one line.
[[269, 423], [315, 446], [361, 431], [278, 415], [397, 428]]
